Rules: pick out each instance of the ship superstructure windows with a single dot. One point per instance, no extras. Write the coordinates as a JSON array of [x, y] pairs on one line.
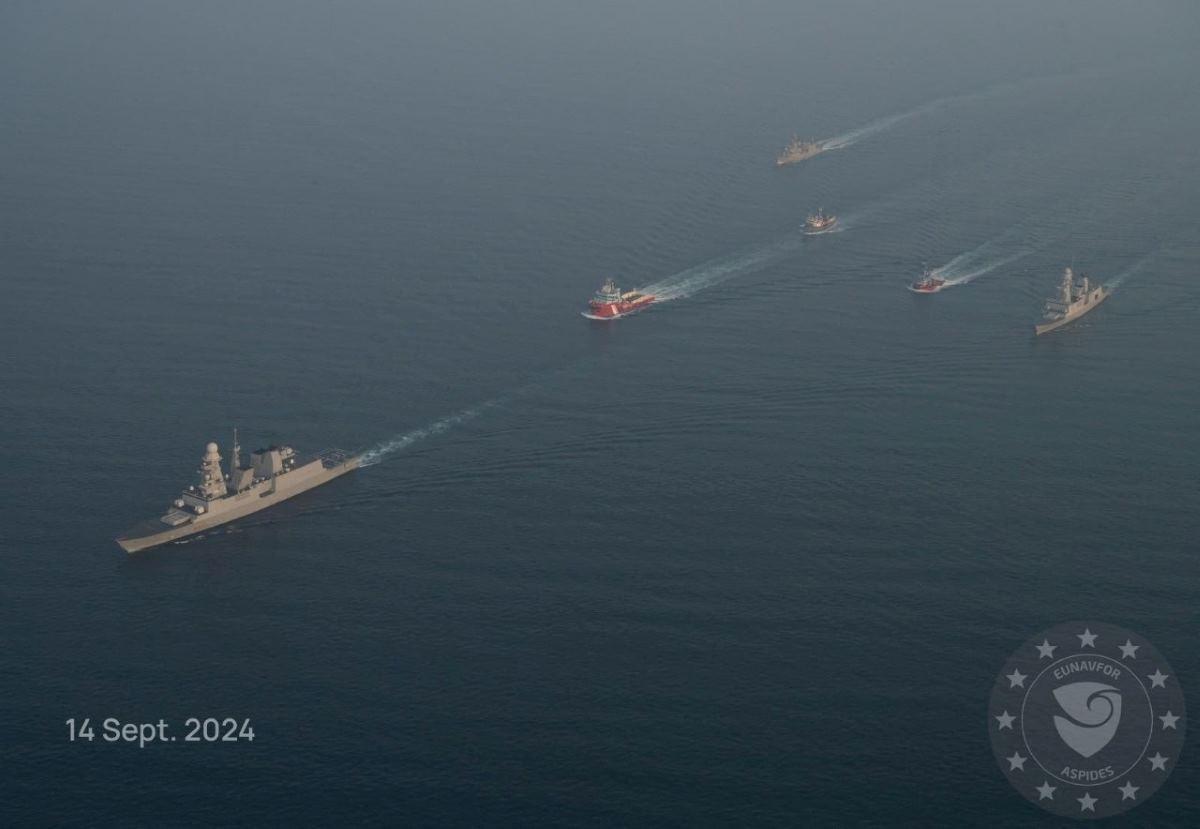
[[609, 292]]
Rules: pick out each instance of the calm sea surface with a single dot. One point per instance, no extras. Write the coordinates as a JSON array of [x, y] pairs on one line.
[[753, 556]]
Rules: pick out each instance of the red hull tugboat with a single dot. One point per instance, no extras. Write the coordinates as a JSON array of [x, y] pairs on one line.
[[927, 284], [609, 302]]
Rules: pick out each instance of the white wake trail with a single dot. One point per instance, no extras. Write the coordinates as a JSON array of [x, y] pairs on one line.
[[849, 139], [1133, 270], [715, 271], [969, 266], [1015, 243], [378, 452]]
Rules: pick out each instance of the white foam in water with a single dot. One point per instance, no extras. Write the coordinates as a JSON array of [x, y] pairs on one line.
[[1132, 270], [973, 264], [377, 453], [849, 139], [1015, 243], [693, 280]]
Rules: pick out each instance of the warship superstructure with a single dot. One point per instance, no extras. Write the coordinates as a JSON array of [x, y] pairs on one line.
[[1075, 298], [798, 150], [274, 474]]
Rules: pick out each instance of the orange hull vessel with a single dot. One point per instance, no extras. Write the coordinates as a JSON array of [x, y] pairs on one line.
[[610, 302]]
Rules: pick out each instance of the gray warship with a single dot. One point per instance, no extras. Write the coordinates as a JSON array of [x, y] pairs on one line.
[[1075, 298], [798, 150], [274, 475]]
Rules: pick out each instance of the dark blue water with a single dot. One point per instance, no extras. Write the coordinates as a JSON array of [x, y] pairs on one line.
[[753, 556]]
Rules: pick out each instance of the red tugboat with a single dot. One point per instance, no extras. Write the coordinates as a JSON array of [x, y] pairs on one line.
[[609, 302], [927, 284]]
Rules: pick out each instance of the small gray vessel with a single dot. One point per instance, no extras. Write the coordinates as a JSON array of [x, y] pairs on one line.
[[798, 150], [820, 222], [274, 474], [1075, 298]]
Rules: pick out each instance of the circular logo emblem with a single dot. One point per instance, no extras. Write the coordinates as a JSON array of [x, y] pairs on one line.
[[1086, 720]]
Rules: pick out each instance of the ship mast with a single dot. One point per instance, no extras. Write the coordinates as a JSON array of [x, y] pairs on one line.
[[235, 456]]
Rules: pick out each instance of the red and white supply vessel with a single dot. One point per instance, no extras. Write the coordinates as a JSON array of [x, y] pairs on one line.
[[610, 302], [927, 284]]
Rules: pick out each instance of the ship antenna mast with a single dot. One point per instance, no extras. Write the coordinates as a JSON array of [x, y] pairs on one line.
[[235, 457]]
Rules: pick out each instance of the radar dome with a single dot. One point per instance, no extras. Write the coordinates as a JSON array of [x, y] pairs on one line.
[[212, 447]]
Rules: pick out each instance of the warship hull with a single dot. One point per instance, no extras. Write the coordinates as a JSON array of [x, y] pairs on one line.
[[1047, 327], [256, 498]]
